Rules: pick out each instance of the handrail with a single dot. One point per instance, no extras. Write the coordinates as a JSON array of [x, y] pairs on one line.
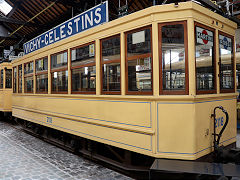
[[217, 141]]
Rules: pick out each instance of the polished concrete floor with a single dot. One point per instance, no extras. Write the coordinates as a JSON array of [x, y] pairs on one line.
[[24, 157]]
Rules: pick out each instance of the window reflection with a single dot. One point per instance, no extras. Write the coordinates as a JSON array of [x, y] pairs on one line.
[[60, 81], [173, 57], [139, 61], [42, 83], [41, 66], [59, 74], [28, 84], [59, 60], [140, 75], [1, 83], [8, 78], [84, 79], [14, 80], [20, 79], [205, 59], [226, 59], [111, 76], [83, 69]]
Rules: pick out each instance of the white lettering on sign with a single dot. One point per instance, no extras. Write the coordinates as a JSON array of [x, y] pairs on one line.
[[204, 36], [91, 18]]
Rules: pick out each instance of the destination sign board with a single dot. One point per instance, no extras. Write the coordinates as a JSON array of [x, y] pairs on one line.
[[86, 20]]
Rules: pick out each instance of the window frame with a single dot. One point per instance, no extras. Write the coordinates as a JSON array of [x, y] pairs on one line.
[[2, 78], [18, 91], [40, 73], [233, 63], [214, 91], [5, 70], [58, 70], [84, 65], [135, 57], [109, 62], [14, 79], [173, 92], [28, 75]]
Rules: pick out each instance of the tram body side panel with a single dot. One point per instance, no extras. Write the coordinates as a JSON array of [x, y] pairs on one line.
[[7, 100], [1, 99], [125, 124], [204, 123], [175, 130]]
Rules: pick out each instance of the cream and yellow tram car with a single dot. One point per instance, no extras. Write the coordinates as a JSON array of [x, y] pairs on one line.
[[6, 87], [147, 82]]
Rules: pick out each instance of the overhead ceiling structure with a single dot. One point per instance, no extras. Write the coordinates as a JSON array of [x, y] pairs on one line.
[[29, 18]]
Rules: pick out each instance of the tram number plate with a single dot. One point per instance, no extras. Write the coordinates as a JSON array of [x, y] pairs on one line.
[[49, 120]]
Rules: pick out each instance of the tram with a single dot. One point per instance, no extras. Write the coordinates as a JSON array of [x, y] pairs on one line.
[[6, 88], [145, 83]]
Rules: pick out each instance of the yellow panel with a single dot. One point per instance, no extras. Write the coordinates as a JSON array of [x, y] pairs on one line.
[[175, 125], [119, 138], [119, 112], [204, 124]]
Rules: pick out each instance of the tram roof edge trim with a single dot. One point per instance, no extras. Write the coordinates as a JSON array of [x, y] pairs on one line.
[[84, 21]]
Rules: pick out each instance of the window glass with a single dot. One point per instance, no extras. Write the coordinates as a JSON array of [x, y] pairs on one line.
[[111, 49], [59, 60], [8, 73], [28, 84], [226, 60], [173, 57], [84, 79], [139, 42], [60, 81], [83, 69], [139, 61], [83, 55], [205, 59], [28, 68], [111, 76], [14, 80], [42, 64], [1, 83], [20, 79], [140, 75], [42, 83]]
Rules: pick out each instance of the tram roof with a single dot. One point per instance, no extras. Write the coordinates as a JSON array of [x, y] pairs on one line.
[[19, 26]]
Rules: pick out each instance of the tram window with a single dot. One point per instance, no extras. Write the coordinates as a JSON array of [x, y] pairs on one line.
[[14, 79], [173, 64], [28, 77], [139, 61], [110, 62], [28, 68], [59, 60], [28, 84], [1, 80], [60, 81], [226, 63], [8, 73], [41, 66], [20, 79], [205, 59], [83, 69], [59, 73]]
